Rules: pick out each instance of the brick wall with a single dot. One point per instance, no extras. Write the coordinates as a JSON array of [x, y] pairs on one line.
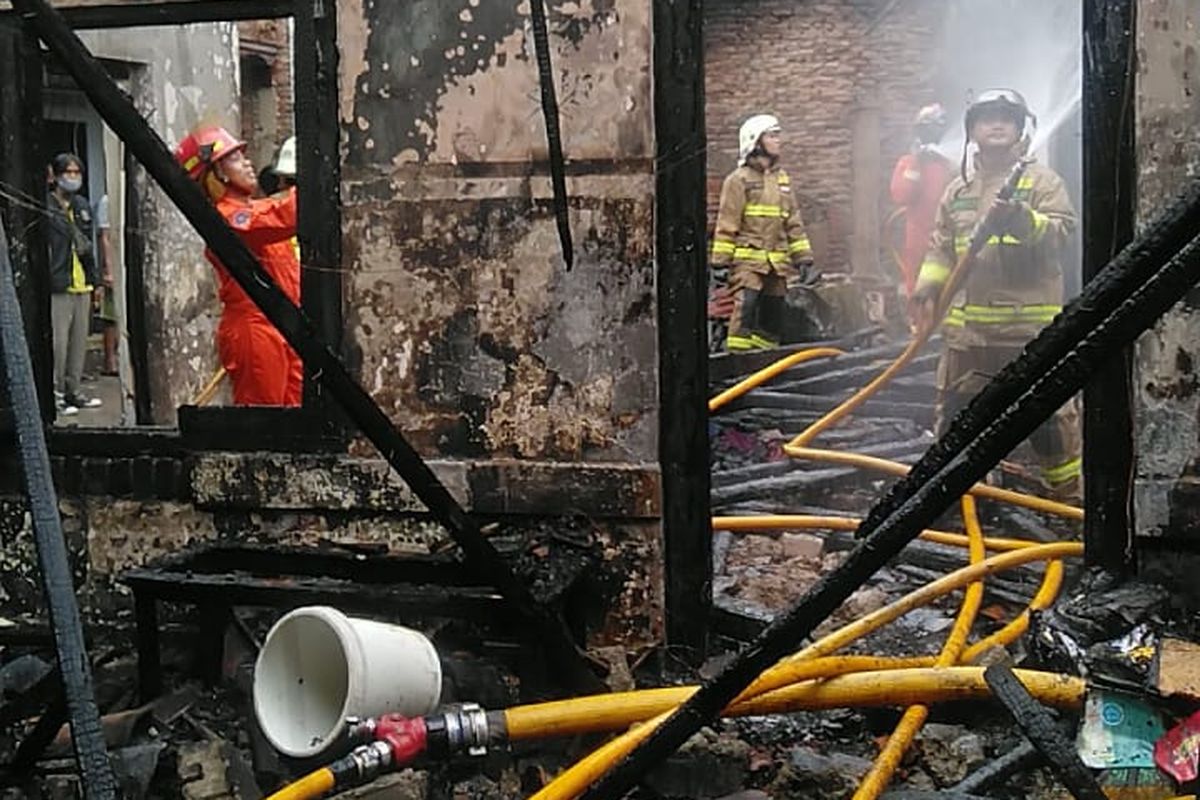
[[266, 124], [812, 63]]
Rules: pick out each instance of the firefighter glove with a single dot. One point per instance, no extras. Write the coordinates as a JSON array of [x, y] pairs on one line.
[[1015, 218], [807, 273]]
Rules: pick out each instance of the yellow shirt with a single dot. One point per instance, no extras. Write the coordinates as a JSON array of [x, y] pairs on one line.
[[79, 284]]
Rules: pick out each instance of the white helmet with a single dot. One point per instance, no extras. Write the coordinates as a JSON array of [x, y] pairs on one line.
[[285, 162], [751, 131]]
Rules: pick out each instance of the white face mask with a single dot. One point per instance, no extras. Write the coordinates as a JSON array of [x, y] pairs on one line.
[[69, 184]]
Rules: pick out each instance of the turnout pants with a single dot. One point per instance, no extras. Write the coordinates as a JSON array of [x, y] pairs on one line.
[[758, 300], [963, 372]]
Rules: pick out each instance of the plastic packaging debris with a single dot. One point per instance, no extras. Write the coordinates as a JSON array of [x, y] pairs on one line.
[[1127, 660], [1103, 632], [1178, 752], [1118, 731]]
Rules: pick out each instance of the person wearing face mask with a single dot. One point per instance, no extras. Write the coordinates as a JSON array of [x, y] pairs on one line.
[[262, 366], [74, 280]]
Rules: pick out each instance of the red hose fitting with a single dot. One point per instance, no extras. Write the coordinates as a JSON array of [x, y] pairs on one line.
[[404, 735]]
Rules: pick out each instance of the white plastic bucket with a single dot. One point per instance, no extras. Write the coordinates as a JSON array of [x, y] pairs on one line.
[[319, 667]]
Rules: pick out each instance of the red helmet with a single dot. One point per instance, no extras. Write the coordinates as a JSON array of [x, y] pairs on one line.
[[204, 147]]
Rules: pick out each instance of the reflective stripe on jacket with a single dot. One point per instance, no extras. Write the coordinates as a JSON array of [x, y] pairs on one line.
[[758, 224], [1014, 287]]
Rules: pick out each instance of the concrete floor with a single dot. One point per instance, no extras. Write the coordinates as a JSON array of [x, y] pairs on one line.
[[107, 388]]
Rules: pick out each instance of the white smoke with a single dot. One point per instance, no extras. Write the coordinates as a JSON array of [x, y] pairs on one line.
[[1033, 46]]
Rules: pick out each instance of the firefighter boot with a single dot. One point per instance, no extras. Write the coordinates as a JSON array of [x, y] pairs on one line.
[[744, 321], [770, 321]]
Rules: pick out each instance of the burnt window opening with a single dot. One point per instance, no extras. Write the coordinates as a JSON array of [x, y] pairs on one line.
[[277, 50]]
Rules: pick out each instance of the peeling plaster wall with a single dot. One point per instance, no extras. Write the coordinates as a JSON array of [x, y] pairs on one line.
[[461, 319], [184, 75], [1167, 389]]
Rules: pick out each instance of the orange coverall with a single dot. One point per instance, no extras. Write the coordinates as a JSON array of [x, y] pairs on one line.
[[264, 369], [917, 185]]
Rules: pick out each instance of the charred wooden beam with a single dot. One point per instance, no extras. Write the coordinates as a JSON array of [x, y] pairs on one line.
[[1042, 731], [252, 428], [682, 322], [1109, 183], [22, 167], [54, 569], [179, 12], [136, 319], [480, 603], [319, 179]]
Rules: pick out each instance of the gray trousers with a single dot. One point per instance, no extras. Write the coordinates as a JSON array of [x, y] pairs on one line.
[[70, 316]]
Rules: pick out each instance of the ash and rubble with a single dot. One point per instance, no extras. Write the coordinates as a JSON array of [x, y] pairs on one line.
[[1089, 632], [758, 575], [200, 740]]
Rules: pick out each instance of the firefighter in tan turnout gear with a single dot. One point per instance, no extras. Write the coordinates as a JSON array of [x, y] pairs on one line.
[[759, 237], [1014, 287]]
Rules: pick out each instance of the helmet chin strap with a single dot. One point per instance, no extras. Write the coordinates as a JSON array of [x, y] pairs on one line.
[[759, 152], [214, 184]]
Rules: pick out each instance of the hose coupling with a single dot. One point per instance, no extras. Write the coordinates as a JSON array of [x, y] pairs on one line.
[[359, 729], [463, 729], [364, 764]]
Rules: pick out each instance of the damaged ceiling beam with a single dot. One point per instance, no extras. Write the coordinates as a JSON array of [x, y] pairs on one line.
[[547, 627]]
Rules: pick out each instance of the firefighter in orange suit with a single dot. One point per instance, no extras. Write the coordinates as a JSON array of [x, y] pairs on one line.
[[264, 369], [759, 237], [918, 181], [1014, 287]]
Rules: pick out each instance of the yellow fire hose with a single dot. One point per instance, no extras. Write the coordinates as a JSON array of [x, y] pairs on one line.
[[576, 779], [312, 786], [810, 679], [978, 490], [1045, 596], [798, 449], [780, 678], [887, 687], [933, 590], [813, 678], [856, 690], [920, 335], [880, 774], [769, 372], [851, 404], [791, 522], [609, 712]]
